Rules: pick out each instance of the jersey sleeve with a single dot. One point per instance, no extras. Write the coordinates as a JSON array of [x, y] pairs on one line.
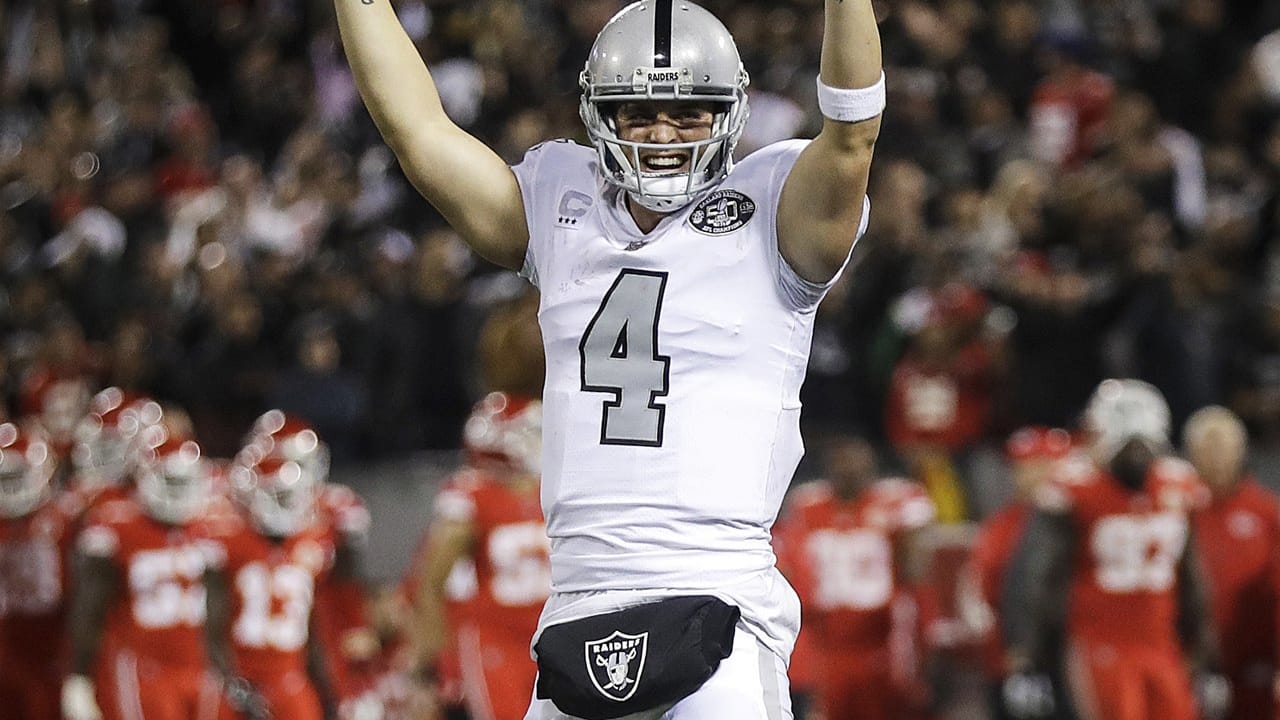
[[99, 540], [348, 513], [770, 166], [1179, 485], [1058, 493], [903, 505], [544, 173], [456, 502]]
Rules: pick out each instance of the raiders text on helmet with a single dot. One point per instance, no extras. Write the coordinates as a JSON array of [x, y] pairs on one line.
[[664, 50]]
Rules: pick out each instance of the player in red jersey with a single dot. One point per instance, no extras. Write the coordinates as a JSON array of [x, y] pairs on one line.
[[1111, 538], [267, 559], [36, 533], [1031, 453], [1237, 536], [490, 512], [343, 616], [343, 620], [851, 545], [139, 595]]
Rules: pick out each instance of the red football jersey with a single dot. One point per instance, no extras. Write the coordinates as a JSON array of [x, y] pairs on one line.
[[983, 580], [34, 578], [1127, 548], [272, 586], [342, 603], [513, 570], [844, 551], [1237, 537], [160, 608]]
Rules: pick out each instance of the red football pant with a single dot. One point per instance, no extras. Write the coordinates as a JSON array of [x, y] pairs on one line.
[[1133, 682], [497, 675], [856, 684], [142, 688], [289, 696], [29, 693]]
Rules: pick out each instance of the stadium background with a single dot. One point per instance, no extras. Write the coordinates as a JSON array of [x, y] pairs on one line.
[[194, 204]]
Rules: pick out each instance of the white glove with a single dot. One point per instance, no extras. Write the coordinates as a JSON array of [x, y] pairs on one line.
[[78, 702], [1213, 694], [1028, 695]]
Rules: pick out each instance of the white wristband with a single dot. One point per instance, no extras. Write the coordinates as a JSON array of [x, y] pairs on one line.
[[851, 106]]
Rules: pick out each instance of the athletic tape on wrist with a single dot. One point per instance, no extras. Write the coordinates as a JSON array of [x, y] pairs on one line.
[[845, 105]]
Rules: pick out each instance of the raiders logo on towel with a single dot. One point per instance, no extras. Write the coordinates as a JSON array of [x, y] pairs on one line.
[[616, 663], [723, 211]]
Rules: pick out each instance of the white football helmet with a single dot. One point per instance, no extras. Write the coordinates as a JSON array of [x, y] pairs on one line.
[[26, 470], [278, 434], [1123, 410], [664, 50], [108, 439], [280, 495], [174, 481]]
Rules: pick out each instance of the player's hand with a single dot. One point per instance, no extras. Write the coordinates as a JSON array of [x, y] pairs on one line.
[[245, 699], [1028, 695], [78, 702], [1213, 695], [362, 707]]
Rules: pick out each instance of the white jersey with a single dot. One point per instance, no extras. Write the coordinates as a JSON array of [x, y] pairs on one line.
[[671, 412]]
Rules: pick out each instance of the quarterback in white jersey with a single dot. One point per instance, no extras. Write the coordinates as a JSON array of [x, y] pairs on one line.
[[674, 363], [678, 292]]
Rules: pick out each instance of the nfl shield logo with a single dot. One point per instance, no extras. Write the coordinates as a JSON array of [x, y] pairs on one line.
[[615, 663]]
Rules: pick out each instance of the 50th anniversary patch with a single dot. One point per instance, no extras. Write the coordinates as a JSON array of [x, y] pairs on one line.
[[723, 211]]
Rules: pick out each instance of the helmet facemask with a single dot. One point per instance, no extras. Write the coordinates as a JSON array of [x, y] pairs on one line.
[[279, 495], [651, 52], [175, 482], [26, 470]]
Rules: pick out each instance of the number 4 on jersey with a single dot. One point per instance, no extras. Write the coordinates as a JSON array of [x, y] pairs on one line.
[[619, 353]]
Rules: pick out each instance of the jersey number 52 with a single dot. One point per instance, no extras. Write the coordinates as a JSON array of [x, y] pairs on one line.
[[619, 353]]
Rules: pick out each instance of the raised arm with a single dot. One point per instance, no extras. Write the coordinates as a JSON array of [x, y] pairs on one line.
[[821, 205], [466, 181]]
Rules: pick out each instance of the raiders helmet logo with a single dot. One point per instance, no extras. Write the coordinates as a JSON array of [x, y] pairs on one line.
[[616, 663], [723, 211]]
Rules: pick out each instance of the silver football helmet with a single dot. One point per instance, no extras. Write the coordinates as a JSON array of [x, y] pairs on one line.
[[1124, 410], [664, 50]]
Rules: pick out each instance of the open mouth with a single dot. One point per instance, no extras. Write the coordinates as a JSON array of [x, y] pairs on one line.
[[664, 163]]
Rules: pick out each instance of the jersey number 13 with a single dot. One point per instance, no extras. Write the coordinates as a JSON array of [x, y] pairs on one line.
[[619, 353]]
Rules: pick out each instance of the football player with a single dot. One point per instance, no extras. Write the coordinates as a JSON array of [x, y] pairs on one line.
[[490, 514], [139, 603], [1111, 538], [678, 292], [854, 541], [1237, 536], [1031, 453], [36, 532], [267, 557], [343, 623]]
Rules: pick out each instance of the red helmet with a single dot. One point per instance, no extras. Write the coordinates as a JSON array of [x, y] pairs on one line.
[[108, 439], [26, 470], [505, 430], [280, 435], [175, 481], [280, 495]]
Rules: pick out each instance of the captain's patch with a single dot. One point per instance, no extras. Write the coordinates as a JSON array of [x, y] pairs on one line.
[[723, 211]]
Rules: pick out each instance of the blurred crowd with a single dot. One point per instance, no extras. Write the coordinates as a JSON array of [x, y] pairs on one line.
[[196, 206]]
